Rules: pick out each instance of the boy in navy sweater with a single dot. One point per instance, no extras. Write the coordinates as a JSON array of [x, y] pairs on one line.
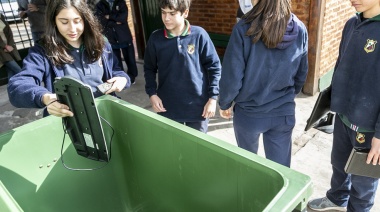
[[355, 99], [187, 65]]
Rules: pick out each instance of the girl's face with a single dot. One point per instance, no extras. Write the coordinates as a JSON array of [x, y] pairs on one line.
[[70, 25], [369, 8]]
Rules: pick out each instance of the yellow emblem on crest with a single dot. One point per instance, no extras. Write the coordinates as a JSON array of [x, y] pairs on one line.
[[360, 137], [190, 48], [370, 46]]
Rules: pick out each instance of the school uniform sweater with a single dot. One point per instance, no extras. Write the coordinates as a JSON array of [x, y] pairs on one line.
[[26, 88], [117, 34], [355, 90], [264, 82], [188, 69]]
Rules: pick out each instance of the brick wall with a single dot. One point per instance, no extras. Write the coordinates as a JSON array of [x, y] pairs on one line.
[[301, 9], [219, 16], [337, 12], [216, 16], [130, 19]]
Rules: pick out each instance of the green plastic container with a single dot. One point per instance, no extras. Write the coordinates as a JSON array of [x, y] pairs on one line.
[[156, 165]]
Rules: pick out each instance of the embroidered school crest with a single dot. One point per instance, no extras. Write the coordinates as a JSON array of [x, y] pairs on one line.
[[360, 137], [190, 49], [370, 45]]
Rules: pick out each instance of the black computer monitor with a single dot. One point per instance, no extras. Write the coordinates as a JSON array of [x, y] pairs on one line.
[[321, 117], [84, 128]]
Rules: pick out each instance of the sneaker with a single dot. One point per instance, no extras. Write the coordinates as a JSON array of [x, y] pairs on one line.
[[324, 204]]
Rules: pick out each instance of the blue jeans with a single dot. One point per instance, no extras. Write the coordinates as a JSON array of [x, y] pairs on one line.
[[277, 135], [12, 68], [355, 192]]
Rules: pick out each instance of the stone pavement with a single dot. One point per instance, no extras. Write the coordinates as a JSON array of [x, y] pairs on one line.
[[311, 149]]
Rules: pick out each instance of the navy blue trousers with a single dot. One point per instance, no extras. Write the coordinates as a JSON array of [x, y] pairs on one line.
[[355, 192], [277, 135], [130, 60]]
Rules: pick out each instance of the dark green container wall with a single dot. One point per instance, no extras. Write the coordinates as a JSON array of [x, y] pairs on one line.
[[169, 162], [156, 165], [151, 16]]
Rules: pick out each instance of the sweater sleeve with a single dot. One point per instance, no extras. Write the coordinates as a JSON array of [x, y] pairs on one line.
[[100, 13], [211, 63], [6, 32], [25, 89], [301, 75], [377, 128], [150, 67], [122, 13], [233, 69]]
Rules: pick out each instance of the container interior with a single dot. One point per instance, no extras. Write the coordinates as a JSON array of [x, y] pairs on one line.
[[156, 165]]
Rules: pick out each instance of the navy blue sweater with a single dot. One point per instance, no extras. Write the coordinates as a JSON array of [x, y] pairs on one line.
[[117, 34], [355, 85], [26, 88], [264, 82], [188, 69]]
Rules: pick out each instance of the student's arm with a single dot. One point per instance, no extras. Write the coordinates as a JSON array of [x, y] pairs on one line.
[[10, 45], [150, 68], [41, 8], [156, 103], [211, 63], [301, 75], [22, 11], [233, 69], [121, 15], [209, 109], [101, 13], [26, 88], [8, 34], [2, 43], [374, 154], [150, 73]]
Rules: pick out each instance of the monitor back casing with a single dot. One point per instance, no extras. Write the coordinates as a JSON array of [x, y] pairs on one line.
[[84, 128]]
